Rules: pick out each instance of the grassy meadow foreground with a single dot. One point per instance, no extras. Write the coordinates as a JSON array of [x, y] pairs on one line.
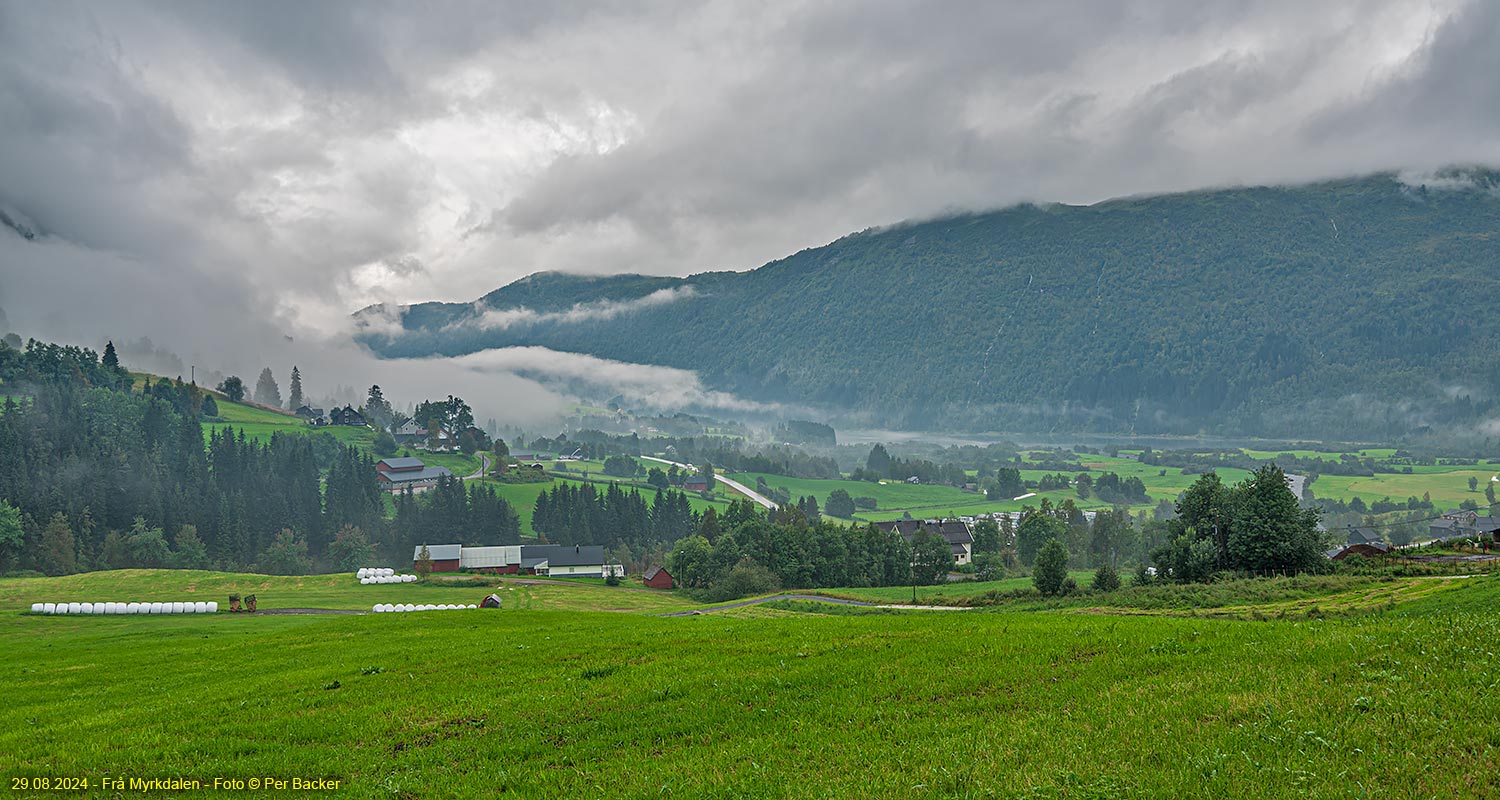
[[555, 695]]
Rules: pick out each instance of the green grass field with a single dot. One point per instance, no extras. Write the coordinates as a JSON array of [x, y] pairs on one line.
[[258, 423], [770, 703], [943, 591]]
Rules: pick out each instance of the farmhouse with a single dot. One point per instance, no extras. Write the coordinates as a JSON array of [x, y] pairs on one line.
[[564, 561], [695, 484], [399, 474], [659, 578], [410, 432], [313, 415], [346, 416], [954, 531], [558, 561], [445, 557]]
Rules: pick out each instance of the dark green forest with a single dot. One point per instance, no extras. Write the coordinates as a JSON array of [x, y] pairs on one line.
[[1354, 309], [102, 474]]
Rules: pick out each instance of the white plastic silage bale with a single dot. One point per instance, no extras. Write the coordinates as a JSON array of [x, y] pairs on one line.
[[200, 607], [377, 609], [213, 606], [179, 608], [132, 608], [36, 608], [389, 572], [362, 573], [471, 605], [49, 608], [85, 608], [154, 608]]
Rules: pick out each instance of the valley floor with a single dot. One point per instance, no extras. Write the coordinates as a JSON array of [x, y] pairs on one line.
[[551, 697]]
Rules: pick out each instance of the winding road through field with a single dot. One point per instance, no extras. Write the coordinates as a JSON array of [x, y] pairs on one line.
[[731, 483]]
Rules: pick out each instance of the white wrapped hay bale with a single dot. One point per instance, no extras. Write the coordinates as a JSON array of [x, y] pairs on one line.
[[156, 608], [133, 608], [213, 607], [86, 608], [36, 608], [49, 608], [200, 607]]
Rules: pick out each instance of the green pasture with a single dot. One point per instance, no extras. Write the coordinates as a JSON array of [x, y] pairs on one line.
[[1447, 489], [943, 592], [530, 702], [335, 591]]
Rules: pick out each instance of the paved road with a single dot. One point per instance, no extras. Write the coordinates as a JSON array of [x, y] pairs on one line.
[[733, 484], [812, 598], [484, 464]]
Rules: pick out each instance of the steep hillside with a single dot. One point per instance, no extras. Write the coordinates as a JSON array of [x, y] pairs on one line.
[[1356, 309]]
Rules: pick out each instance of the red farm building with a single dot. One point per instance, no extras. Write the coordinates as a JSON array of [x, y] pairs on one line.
[[659, 578]]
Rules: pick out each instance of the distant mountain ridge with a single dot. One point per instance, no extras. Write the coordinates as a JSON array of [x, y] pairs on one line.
[[1355, 309]]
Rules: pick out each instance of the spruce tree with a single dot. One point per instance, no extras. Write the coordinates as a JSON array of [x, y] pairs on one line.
[[57, 556], [267, 393], [111, 358], [295, 400]]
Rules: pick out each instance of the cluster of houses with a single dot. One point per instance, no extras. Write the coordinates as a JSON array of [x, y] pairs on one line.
[[408, 434], [1458, 523], [1454, 523], [348, 415]]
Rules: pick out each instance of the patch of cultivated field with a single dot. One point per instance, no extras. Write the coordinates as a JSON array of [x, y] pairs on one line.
[[1447, 489], [539, 703]]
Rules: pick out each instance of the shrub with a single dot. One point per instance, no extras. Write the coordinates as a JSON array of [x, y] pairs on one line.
[[1105, 579], [1051, 567]]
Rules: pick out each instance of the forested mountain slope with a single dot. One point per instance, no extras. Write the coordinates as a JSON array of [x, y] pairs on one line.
[[1357, 308]]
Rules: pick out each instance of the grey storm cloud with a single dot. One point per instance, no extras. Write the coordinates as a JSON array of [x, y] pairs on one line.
[[233, 176]]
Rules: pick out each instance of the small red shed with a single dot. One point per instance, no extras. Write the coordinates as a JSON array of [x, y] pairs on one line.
[[659, 578]]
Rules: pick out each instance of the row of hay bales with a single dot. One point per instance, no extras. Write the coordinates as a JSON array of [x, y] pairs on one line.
[[187, 607], [380, 608], [382, 575]]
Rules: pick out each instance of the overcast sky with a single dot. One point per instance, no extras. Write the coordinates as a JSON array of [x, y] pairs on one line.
[[234, 169]]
